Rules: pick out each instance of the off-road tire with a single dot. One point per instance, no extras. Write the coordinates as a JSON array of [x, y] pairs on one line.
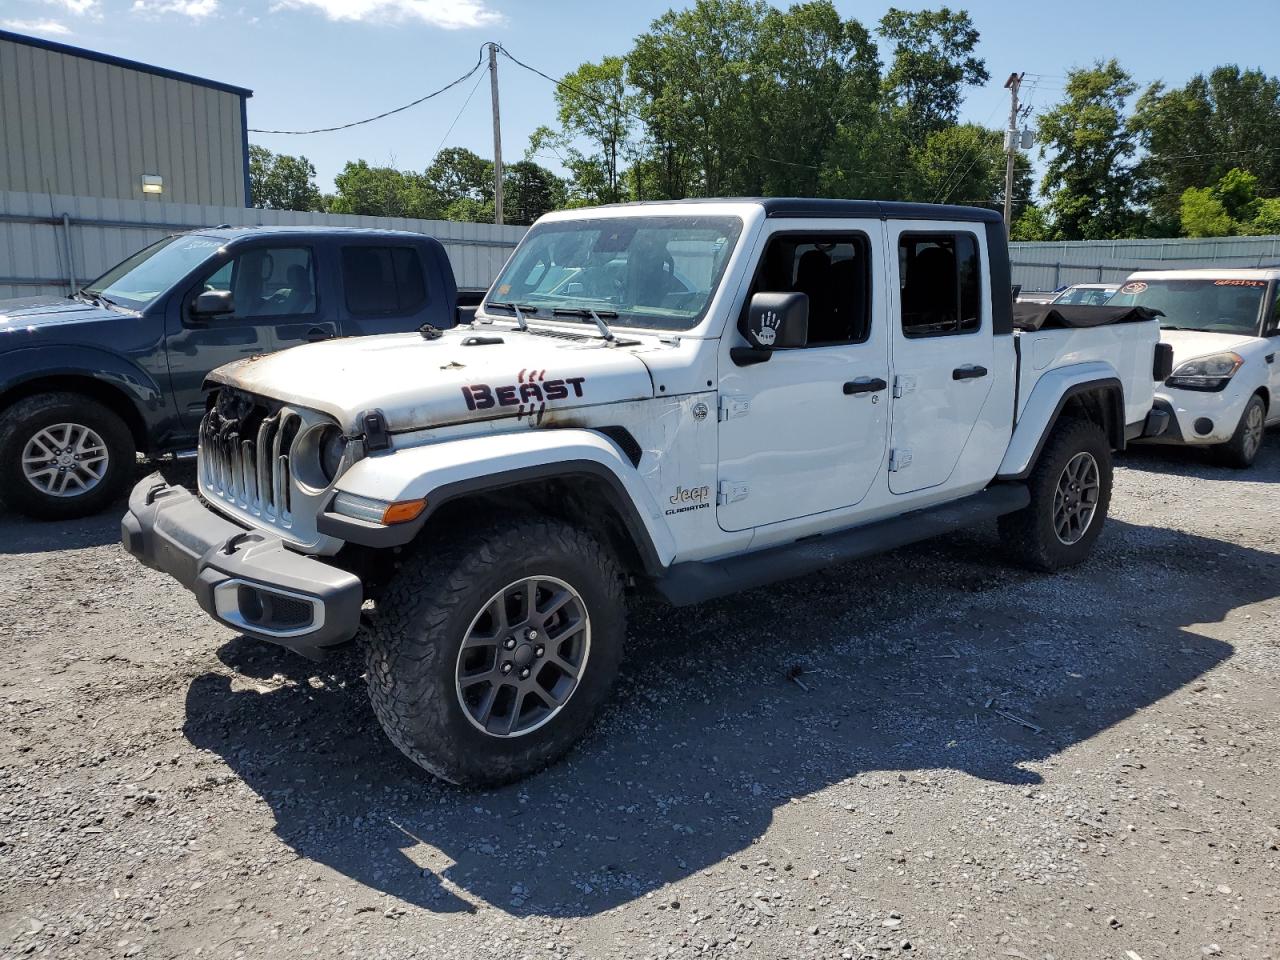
[[30, 415], [1241, 450], [1029, 534], [423, 617]]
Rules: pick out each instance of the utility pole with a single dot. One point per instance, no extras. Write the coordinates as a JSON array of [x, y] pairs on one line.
[[1011, 138], [497, 135]]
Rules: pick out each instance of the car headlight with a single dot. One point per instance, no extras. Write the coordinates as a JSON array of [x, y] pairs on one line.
[[1206, 373]]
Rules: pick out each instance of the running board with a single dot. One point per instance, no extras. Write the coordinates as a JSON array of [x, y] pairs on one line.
[[693, 582]]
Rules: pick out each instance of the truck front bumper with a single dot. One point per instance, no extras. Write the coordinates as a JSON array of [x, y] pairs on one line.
[[243, 578]]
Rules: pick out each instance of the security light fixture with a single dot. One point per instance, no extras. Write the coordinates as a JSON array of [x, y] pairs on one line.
[[151, 183]]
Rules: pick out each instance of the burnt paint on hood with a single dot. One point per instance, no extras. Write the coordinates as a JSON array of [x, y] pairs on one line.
[[419, 383]]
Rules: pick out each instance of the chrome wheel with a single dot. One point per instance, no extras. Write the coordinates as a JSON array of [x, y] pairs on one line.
[[65, 460], [1253, 426], [523, 656], [1076, 499]]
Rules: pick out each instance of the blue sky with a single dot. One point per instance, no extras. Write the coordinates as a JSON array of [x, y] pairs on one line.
[[318, 63]]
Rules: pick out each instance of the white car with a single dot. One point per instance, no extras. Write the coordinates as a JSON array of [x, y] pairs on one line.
[[1087, 294], [1224, 327]]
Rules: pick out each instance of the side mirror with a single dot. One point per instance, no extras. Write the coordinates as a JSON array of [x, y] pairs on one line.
[[214, 303], [778, 321]]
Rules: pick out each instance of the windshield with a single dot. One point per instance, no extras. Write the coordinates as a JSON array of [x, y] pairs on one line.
[[1087, 296], [652, 272], [151, 271], [1219, 306]]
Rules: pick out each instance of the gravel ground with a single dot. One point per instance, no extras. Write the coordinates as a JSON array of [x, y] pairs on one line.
[[926, 754]]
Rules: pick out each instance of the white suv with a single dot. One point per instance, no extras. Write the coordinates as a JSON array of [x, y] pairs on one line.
[[1224, 327]]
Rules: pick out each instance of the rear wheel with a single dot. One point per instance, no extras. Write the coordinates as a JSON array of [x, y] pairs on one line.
[[1070, 489], [488, 662], [63, 455], [1242, 449]]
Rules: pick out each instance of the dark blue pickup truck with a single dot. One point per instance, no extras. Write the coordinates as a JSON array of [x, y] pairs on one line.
[[89, 381]]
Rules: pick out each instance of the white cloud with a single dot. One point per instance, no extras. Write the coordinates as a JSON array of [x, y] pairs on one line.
[[195, 9], [48, 28], [447, 14], [81, 8]]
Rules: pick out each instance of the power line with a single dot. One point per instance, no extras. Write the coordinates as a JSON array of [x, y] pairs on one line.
[[460, 112], [357, 123]]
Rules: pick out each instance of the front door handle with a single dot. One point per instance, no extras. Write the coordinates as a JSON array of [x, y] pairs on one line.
[[855, 388], [316, 334], [971, 372]]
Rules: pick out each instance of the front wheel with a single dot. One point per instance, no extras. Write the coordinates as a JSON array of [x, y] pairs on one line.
[[1070, 492], [63, 455], [489, 661], [1242, 449]]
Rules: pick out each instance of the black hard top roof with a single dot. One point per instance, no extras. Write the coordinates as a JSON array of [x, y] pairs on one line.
[[884, 209], [824, 208]]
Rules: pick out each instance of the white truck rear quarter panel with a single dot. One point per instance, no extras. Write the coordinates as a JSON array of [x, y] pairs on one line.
[[1053, 361]]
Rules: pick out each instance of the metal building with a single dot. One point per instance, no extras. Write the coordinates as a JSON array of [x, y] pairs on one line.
[[80, 123]]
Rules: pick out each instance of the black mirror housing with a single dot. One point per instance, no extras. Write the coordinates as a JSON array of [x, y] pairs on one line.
[[214, 303], [778, 321]]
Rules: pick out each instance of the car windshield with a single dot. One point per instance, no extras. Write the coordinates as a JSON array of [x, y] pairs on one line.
[[649, 272], [1219, 306], [1087, 296], [137, 281]]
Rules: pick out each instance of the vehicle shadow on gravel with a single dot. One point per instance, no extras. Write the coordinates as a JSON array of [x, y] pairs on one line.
[[1198, 461], [19, 534], [890, 673]]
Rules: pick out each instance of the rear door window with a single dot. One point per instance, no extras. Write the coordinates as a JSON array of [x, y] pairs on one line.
[[941, 286], [383, 280]]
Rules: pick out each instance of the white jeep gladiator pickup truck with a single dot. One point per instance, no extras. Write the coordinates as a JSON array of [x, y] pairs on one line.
[[692, 397]]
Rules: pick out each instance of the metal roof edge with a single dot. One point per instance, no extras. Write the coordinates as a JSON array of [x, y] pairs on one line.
[[114, 61]]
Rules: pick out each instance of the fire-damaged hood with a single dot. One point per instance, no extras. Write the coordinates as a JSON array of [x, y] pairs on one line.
[[465, 374]]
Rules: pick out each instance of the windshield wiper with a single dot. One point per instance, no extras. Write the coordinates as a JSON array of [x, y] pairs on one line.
[[586, 314], [519, 309]]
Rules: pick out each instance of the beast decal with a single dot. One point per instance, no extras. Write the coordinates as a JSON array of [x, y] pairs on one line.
[[532, 388]]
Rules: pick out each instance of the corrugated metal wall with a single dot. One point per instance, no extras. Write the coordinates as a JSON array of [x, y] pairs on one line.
[[1047, 266], [39, 252], [79, 126]]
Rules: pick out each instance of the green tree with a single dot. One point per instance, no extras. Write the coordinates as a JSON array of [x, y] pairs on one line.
[[278, 181], [933, 61], [370, 191], [693, 72], [964, 164], [593, 103], [1267, 222], [1196, 133], [1229, 207], [1090, 178], [1203, 214], [529, 191], [456, 174]]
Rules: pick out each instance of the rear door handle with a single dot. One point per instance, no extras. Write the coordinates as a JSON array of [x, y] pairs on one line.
[[971, 372], [863, 385]]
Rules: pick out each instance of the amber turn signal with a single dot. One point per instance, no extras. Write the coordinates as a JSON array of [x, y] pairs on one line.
[[403, 511]]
